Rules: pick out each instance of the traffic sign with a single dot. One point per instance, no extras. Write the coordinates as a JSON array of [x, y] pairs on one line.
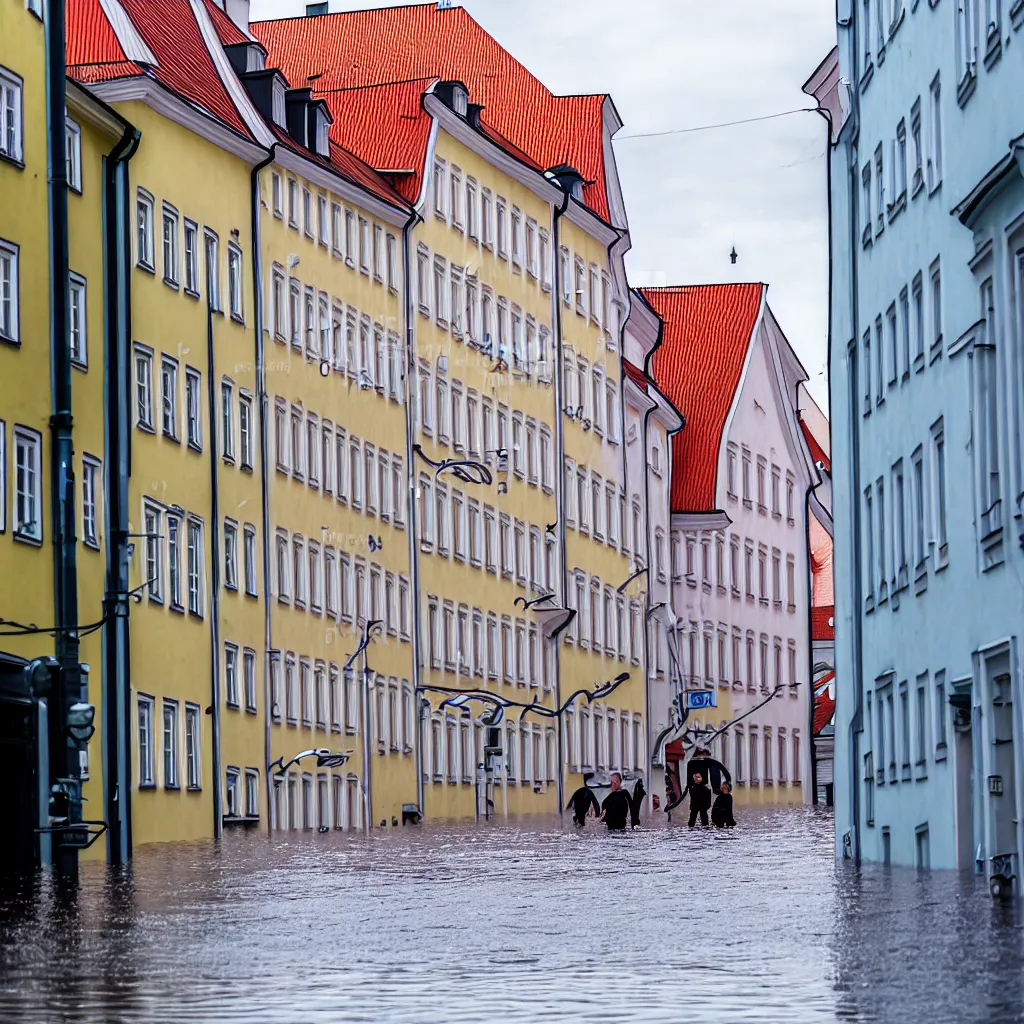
[[697, 699]]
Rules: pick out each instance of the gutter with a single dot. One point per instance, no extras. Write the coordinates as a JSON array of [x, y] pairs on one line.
[[65, 771], [116, 678], [408, 314], [856, 722], [214, 535], [556, 295], [261, 401]]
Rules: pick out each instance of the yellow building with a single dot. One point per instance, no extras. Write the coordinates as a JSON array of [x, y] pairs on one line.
[[519, 298]]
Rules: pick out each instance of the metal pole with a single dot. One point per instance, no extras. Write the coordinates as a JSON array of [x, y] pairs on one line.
[[65, 766], [367, 805]]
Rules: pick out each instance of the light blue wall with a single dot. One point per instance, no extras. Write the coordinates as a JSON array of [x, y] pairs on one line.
[[945, 614]]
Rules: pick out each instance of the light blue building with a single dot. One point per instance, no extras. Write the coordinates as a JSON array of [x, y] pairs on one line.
[[925, 102]]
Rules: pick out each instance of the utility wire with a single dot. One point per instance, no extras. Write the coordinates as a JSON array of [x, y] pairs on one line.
[[723, 124]]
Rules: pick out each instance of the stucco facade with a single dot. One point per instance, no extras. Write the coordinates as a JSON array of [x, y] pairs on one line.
[[925, 372]]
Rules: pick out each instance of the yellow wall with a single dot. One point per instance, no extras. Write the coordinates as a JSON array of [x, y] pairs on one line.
[[324, 637], [171, 649]]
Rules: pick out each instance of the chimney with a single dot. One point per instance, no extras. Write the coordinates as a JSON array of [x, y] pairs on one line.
[[238, 12]]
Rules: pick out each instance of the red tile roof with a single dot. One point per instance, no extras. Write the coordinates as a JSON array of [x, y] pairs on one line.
[[385, 126], [90, 39], [392, 44], [227, 31], [636, 375], [698, 365], [817, 452], [184, 64], [823, 623]]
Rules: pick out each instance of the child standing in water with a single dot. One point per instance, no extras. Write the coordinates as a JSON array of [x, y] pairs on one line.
[[700, 798], [721, 813]]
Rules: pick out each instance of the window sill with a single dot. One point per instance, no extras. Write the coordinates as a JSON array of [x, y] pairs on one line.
[[994, 50], [146, 267], [917, 184], [965, 90], [866, 75], [940, 752], [880, 55], [747, 503], [869, 603], [1017, 14], [935, 351], [143, 786]]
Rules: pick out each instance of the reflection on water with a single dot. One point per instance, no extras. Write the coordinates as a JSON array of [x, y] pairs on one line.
[[511, 921]]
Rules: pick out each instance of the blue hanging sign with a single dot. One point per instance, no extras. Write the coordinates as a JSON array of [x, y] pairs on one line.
[[696, 699]]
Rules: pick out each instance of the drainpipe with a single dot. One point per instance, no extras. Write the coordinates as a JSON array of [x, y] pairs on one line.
[[261, 405], [365, 708], [557, 214], [411, 382], [214, 533], [117, 460], [856, 722], [65, 767]]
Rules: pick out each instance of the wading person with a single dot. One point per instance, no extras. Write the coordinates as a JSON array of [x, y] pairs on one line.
[[635, 801], [700, 798], [616, 807], [721, 813], [712, 769], [583, 802]]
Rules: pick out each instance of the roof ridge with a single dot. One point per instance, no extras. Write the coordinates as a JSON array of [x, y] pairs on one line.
[[355, 10], [684, 287]]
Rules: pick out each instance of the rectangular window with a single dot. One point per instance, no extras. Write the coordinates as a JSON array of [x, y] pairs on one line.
[[9, 316], [901, 161], [245, 430], [170, 743], [11, 114], [231, 555], [170, 246], [250, 559], [193, 408], [77, 320], [917, 322], [191, 258], [195, 567], [193, 773], [211, 243], [169, 398], [147, 768], [935, 276], [934, 162], [235, 282], [144, 231]]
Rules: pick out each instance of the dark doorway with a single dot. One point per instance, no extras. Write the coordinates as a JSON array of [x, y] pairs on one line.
[[19, 785]]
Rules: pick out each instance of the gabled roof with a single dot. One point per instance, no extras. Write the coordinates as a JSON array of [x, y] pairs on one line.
[[185, 66], [170, 30], [360, 48], [817, 452], [707, 331]]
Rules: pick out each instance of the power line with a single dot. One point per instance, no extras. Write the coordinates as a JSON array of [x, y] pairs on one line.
[[723, 124]]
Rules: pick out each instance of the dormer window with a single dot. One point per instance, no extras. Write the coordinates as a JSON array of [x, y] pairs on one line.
[[280, 118], [460, 101], [323, 144], [577, 190], [255, 58]]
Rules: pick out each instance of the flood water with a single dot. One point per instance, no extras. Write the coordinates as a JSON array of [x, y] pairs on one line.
[[512, 921]]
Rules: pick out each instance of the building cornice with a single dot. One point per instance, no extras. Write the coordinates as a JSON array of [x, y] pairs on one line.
[[144, 89], [325, 178], [89, 108], [716, 519]]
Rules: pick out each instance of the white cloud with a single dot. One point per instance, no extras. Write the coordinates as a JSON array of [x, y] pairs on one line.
[[679, 64]]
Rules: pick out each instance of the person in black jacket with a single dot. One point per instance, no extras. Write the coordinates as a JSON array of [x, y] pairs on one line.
[[721, 813], [583, 801], [711, 769], [700, 798], [635, 801], [616, 807]]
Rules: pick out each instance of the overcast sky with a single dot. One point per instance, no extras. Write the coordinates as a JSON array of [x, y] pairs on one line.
[[676, 64]]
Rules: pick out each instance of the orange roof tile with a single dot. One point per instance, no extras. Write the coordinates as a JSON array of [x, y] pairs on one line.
[[184, 64], [636, 375], [697, 366], [345, 50]]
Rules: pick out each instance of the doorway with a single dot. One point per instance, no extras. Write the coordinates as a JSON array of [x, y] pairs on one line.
[[964, 782], [19, 794]]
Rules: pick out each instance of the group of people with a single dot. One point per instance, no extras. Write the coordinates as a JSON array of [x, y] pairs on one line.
[[708, 785]]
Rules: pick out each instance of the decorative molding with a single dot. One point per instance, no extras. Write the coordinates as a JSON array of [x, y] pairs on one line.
[[326, 178], [89, 108], [967, 340], [169, 104], [692, 521]]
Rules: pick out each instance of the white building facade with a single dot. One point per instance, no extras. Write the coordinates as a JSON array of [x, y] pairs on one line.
[[738, 555], [927, 402]]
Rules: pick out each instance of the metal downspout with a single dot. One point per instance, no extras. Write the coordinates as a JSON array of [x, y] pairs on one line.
[[261, 405], [558, 213], [413, 505], [214, 535], [116, 678], [65, 767]]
